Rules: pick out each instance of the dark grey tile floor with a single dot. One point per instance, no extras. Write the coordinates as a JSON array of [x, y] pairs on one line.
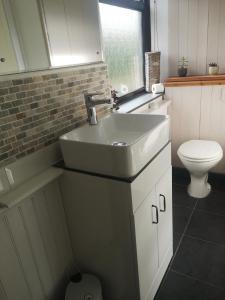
[[197, 270]]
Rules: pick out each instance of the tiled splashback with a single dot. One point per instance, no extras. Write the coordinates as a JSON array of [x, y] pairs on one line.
[[36, 110]]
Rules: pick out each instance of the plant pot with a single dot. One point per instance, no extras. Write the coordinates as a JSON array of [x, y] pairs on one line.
[[182, 72], [213, 70]]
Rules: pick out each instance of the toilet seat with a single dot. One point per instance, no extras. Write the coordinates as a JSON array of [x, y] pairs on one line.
[[200, 151]]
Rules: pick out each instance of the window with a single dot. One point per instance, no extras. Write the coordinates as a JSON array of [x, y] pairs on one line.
[[124, 43]]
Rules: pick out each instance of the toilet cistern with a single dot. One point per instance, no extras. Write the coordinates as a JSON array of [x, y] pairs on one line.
[[91, 102]]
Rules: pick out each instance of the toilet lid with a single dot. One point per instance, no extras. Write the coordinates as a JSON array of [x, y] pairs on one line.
[[200, 149]]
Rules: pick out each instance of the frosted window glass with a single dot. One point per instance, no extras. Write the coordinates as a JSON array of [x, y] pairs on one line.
[[122, 47]]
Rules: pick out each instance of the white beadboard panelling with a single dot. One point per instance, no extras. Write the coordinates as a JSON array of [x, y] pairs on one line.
[[36, 243], [49, 240], [197, 113], [185, 116], [11, 272], [36, 256], [212, 118], [221, 42], [183, 28], [57, 216], [162, 29], [24, 253], [203, 12], [192, 39], [173, 42], [213, 31], [3, 295], [196, 31]]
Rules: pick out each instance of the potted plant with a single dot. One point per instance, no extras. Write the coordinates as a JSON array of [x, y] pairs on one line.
[[183, 67], [213, 69]]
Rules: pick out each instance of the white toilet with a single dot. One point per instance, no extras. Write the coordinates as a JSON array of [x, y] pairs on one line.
[[199, 156]]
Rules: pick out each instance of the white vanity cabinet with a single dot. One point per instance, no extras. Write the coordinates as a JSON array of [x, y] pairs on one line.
[[165, 226], [153, 231], [122, 230]]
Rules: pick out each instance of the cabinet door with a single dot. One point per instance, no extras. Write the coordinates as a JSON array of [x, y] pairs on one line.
[[146, 242], [74, 36], [6, 48], [165, 226]]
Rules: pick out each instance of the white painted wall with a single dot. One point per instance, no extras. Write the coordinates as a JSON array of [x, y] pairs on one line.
[[190, 28]]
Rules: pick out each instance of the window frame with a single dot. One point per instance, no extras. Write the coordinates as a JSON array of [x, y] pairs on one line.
[[144, 8]]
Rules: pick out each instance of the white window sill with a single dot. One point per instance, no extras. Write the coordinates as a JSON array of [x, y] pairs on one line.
[[137, 102]]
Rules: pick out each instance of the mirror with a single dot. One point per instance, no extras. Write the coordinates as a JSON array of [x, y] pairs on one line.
[[42, 34]]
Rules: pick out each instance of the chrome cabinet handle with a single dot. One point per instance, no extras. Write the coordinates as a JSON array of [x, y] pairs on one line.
[[164, 203], [157, 215]]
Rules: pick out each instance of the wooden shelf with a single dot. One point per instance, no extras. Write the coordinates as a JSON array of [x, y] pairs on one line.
[[195, 80]]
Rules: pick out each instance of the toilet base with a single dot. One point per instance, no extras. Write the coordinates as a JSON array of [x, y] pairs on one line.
[[199, 186]]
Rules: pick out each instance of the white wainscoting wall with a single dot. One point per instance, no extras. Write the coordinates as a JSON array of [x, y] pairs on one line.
[[36, 257], [190, 28], [197, 112]]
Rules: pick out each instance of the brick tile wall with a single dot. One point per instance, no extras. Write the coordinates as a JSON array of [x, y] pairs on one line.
[[36, 110]]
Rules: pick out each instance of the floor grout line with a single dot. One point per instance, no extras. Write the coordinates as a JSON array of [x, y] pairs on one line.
[[215, 188], [210, 213], [184, 206], [203, 240], [197, 279], [177, 248], [193, 209], [181, 184], [183, 234]]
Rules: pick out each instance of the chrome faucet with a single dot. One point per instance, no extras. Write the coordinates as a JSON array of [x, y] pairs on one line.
[[90, 103]]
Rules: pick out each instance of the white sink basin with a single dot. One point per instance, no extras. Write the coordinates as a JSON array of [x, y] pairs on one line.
[[119, 145]]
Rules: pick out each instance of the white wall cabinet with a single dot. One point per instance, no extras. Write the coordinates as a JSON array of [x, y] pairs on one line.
[[122, 231], [197, 113], [73, 29], [31, 48], [6, 48]]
